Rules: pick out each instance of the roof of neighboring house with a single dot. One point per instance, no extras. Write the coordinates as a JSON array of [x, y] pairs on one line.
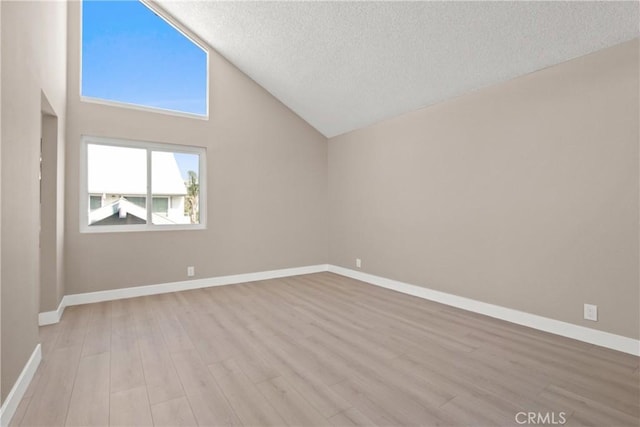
[[122, 170], [122, 208]]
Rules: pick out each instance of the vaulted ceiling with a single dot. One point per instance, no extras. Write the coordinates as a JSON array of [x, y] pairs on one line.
[[345, 65]]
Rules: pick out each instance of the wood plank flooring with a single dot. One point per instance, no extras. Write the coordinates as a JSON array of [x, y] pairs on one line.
[[315, 350]]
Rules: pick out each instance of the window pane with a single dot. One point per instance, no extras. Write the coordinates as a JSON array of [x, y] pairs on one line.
[[134, 182], [138, 201], [119, 176], [95, 202], [175, 186], [161, 205], [132, 55]]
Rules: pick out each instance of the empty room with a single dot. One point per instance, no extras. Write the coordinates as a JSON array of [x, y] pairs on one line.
[[306, 213]]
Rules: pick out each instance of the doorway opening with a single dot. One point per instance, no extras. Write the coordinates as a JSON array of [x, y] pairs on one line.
[[50, 249]]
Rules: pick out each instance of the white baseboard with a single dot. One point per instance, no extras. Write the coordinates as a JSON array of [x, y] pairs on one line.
[[163, 288], [569, 330], [51, 317], [14, 397]]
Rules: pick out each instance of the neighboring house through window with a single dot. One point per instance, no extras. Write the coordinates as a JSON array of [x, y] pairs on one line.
[[134, 185]]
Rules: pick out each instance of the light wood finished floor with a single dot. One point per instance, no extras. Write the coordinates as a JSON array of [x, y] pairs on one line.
[[315, 350]]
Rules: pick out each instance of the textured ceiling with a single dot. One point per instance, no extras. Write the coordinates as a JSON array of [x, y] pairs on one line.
[[345, 65]]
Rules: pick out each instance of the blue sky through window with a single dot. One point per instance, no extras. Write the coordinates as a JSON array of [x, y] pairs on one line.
[[129, 54], [187, 162]]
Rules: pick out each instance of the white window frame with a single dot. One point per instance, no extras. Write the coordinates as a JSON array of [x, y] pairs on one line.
[[121, 104], [149, 147]]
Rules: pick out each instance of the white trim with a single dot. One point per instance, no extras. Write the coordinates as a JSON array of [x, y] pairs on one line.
[[569, 330], [145, 108], [51, 317], [20, 387], [115, 294]]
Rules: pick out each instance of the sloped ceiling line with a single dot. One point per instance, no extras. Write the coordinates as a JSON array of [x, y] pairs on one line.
[[345, 65]]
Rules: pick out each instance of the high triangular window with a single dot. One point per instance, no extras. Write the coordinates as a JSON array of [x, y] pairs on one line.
[[131, 55]]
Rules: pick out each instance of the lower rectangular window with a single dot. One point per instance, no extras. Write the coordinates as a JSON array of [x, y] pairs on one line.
[[136, 186]]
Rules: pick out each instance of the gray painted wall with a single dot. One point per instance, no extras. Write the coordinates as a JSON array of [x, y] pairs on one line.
[[524, 194], [33, 62], [266, 189]]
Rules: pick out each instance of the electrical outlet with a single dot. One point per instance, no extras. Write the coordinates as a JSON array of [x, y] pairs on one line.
[[358, 263], [591, 312], [191, 271]]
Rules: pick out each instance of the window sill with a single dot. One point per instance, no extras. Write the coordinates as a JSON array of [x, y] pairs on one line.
[[140, 228], [117, 104]]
